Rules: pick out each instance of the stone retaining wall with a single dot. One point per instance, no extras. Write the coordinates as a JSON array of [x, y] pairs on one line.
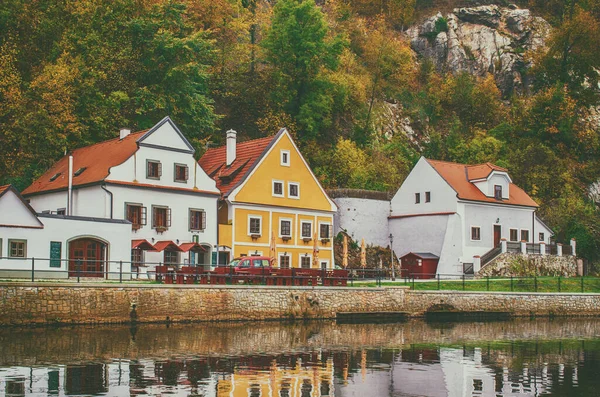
[[96, 303]]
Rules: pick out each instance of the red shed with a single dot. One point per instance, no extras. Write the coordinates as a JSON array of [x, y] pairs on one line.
[[419, 265]]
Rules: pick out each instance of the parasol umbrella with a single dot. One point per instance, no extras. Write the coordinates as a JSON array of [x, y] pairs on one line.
[[363, 254], [273, 249], [315, 263], [345, 258]]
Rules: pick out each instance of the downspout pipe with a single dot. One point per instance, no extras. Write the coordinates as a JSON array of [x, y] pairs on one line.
[[111, 199]]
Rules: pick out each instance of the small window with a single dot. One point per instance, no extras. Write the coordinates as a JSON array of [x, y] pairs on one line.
[[417, 198], [61, 211], [79, 171], [161, 218], [285, 158], [254, 227], [427, 197], [285, 228], [514, 235], [305, 262], [324, 232], [475, 233], [294, 190], [197, 220], [137, 257], [53, 178], [153, 169], [171, 258], [306, 230], [525, 235], [498, 192], [541, 237], [324, 264], [136, 214], [277, 188], [17, 248], [181, 173], [284, 261]]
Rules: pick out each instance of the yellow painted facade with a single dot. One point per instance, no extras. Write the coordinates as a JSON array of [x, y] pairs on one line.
[[257, 199], [313, 381]]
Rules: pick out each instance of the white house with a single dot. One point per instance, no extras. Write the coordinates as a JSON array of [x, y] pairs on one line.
[[457, 211], [149, 178], [43, 242]]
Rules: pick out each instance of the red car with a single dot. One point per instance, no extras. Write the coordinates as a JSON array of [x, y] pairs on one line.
[[252, 264]]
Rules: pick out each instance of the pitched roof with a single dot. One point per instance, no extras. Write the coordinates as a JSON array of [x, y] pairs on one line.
[[96, 160], [3, 189], [459, 177], [422, 255], [6, 188], [248, 154]]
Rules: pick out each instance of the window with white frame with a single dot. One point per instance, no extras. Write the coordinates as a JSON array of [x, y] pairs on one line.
[[324, 264], [285, 158], [305, 261], [293, 190], [277, 189], [475, 233], [254, 225], [324, 231], [498, 192], [306, 231], [514, 235], [284, 261], [541, 237], [524, 235], [285, 228], [17, 248]]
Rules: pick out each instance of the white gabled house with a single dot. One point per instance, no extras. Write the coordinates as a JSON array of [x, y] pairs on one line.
[[457, 211], [40, 242], [149, 178]]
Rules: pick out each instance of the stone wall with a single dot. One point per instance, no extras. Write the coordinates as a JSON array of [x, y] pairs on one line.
[[59, 303], [524, 265]]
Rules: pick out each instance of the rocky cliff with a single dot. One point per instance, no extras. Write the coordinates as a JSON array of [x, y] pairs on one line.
[[480, 40]]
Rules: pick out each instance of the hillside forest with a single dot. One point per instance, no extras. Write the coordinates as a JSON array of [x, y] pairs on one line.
[[339, 74]]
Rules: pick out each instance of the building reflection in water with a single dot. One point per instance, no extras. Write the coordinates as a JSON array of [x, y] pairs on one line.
[[478, 369]]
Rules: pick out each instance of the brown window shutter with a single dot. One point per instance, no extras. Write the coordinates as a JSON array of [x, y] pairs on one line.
[[154, 214], [191, 220]]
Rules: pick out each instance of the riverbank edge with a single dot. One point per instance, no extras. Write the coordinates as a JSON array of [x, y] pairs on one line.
[[45, 303]]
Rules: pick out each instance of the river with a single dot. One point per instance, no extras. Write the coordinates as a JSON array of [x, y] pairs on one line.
[[523, 357]]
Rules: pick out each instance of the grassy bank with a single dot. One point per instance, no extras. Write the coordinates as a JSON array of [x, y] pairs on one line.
[[538, 284]]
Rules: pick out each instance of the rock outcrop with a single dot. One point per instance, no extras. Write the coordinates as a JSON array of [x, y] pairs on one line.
[[480, 40]]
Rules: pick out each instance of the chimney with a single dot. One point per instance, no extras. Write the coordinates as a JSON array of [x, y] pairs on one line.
[[123, 132], [231, 146]]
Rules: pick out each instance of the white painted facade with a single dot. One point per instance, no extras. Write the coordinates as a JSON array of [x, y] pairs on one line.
[[363, 218], [129, 183], [20, 224], [439, 222]]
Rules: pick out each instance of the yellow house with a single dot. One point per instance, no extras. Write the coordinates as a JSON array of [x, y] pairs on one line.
[[268, 192]]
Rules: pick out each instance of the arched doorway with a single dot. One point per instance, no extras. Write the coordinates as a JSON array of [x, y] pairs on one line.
[[87, 257]]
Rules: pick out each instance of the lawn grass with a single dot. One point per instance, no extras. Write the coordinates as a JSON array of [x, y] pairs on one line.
[[539, 284]]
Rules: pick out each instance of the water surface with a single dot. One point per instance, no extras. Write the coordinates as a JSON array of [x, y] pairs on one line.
[[512, 358]]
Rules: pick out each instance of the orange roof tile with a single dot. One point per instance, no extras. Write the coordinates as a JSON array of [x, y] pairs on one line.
[[3, 188], [185, 247], [247, 156], [97, 160], [166, 245], [458, 176]]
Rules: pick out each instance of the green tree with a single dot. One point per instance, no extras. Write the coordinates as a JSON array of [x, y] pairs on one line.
[[299, 52]]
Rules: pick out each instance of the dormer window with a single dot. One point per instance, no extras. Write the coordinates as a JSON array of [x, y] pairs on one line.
[[498, 192], [54, 177], [79, 171]]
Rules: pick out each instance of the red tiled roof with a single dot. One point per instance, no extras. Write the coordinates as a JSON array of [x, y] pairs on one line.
[[142, 244], [166, 245], [185, 247], [97, 160], [458, 177], [247, 155], [3, 189]]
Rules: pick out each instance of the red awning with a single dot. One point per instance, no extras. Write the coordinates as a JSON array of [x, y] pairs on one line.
[[166, 245], [185, 247], [141, 245]]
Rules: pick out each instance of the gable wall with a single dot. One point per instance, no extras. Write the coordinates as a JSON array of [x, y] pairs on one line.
[[166, 136], [423, 178], [258, 187], [14, 212]]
